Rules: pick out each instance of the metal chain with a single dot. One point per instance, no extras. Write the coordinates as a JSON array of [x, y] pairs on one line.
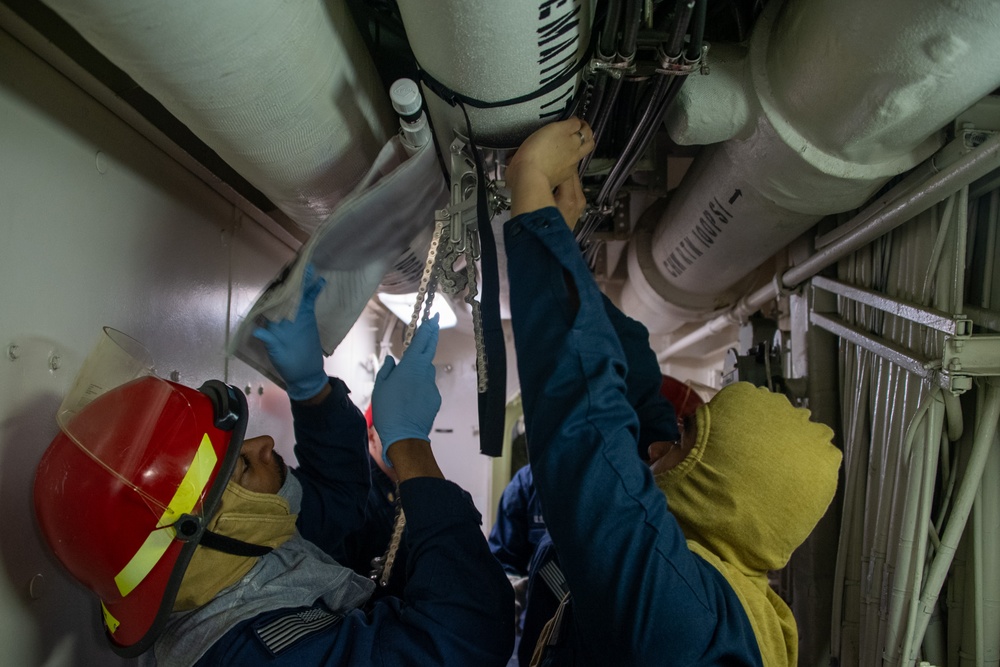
[[452, 282], [440, 218], [382, 565], [477, 322]]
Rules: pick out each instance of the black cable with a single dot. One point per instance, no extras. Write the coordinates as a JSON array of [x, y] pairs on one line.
[[625, 51], [673, 87], [664, 91], [630, 30], [609, 33], [697, 31], [685, 8]]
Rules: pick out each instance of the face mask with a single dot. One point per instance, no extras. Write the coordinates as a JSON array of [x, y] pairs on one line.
[[291, 491], [257, 518]]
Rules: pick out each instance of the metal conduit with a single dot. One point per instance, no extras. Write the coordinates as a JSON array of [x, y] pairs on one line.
[[906, 565], [966, 169], [986, 429], [923, 492], [890, 475], [989, 518], [846, 581]]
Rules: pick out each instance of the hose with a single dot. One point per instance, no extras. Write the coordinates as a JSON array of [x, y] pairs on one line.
[[685, 8], [630, 30], [609, 33], [697, 31]]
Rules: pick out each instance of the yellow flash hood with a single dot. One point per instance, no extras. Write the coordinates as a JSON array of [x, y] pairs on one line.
[[257, 518], [758, 479]]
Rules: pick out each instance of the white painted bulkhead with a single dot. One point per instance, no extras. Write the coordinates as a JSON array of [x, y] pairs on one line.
[[99, 227]]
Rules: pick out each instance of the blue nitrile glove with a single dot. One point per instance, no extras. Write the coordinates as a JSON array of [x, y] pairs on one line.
[[293, 345], [406, 396]]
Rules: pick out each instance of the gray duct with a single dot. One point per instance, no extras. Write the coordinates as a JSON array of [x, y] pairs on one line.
[[843, 95]]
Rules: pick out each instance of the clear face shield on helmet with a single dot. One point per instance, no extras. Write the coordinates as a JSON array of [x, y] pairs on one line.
[[116, 360], [123, 491]]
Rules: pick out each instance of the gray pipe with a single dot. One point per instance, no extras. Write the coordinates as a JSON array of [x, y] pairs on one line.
[[967, 168]]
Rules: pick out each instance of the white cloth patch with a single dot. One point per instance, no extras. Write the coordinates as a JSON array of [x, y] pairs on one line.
[[353, 249]]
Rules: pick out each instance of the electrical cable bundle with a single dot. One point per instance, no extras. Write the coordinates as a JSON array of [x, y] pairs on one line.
[[620, 36]]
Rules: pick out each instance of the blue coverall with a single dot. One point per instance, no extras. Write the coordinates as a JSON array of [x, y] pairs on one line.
[[639, 595], [519, 525], [372, 538], [457, 607]]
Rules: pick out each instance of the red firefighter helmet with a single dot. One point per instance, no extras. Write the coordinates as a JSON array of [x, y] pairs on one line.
[[684, 399], [123, 492]]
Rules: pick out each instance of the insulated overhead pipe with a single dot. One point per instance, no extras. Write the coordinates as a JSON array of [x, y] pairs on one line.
[[285, 93], [845, 95], [496, 51], [874, 221]]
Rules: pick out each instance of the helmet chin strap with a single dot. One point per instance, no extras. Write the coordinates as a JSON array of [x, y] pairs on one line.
[[231, 545], [190, 527]]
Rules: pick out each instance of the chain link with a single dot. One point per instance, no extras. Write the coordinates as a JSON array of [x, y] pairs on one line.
[[441, 272], [477, 325], [427, 281], [382, 565]]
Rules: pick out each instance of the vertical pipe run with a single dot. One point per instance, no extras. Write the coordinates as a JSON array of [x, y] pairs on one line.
[[986, 428], [991, 246], [906, 562], [990, 589], [961, 241], [977, 573], [854, 395], [933, 439]]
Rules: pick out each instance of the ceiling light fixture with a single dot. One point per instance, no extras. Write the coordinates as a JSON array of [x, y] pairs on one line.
[[401, 305]]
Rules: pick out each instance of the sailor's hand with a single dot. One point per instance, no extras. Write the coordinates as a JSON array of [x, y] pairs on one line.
[[570, 200], [293, 346], [551, 153], [406, 393]]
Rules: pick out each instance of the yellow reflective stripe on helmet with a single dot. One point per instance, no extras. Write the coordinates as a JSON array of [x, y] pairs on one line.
[[184, 500], [110, 621]]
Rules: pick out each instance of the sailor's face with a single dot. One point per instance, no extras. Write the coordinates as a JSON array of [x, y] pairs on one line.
[[664, 456], [259, 467]]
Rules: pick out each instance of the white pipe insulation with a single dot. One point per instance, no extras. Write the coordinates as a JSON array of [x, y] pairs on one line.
[[845, 95], [494, 51], [286, 93]]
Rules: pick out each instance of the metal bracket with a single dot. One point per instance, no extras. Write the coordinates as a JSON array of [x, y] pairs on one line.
[[975, 356], [463, 194], [615, 70], [963, 354], [680, 65], [958, 326]]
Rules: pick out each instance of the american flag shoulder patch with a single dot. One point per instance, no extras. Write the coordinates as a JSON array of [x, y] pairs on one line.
[[280, 633]]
